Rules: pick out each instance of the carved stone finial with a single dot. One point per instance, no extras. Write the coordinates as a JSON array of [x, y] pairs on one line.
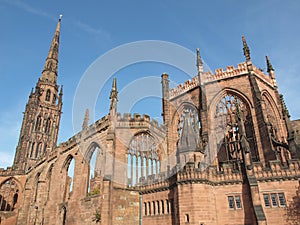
[[269, 65], [86, 120], [246, 49], [199, 61]]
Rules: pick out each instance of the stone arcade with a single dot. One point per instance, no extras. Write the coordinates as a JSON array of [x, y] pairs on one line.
[[227, 153]]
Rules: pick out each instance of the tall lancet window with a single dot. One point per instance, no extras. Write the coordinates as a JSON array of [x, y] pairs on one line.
[[229, 148], [188, 129], [38, 123], [143, 159], [48, 95]]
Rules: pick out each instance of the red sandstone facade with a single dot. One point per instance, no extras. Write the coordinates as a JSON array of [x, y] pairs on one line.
[[227, 153]]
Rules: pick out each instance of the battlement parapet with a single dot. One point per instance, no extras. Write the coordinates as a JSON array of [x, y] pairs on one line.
[[211, 175], [277, 171], [207, 77], [135, 120], [220, 74], [230, 71], [9, 171], [182, 88]]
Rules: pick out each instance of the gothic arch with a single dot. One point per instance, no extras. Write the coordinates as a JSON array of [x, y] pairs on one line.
[[95, 160], [10, 190], [67, 162], [233, 91], [68, 181], [90, 150], [36, 186], [48, 179], [180, 108], [48, 125], [271, 113], [225, 136], [276, 131], [143, 159], [186, 127], [38, 124]]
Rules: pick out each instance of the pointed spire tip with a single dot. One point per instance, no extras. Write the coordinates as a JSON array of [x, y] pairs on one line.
[[199, 63], [246, 49]]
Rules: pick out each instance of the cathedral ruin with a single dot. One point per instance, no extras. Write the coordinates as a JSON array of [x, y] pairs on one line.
[[220, 157]]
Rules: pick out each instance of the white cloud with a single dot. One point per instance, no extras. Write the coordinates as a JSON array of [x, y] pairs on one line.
[[91, 30], [30, 9], [6, 159]]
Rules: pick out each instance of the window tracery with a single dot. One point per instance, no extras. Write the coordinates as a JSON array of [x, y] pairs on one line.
[[9, 195], [226, 120], [190, 116], [143, 159], [188, 129]]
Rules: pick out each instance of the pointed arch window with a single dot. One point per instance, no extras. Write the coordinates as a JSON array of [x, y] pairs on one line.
[[96, 171], [54, 99], [9, 195], [188, 129], [38, 123], [36, 187], [32, 149], [48, 95], [69, 174], [143, 159], [48, 126], [38, 150], [226, 121]]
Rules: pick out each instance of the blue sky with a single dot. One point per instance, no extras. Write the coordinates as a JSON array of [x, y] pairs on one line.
[[91, 28]]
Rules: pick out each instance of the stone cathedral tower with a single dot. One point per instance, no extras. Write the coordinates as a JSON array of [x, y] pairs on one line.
[[42, 113]]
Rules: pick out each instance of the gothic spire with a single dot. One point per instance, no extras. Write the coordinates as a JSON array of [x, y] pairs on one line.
[[246, 49], [113, 98], [269, 65], [270, 70], [60, 95], [49, 73], [199, 61], [86, 119]]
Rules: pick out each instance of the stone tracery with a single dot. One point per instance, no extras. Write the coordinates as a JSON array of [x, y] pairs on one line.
[[229, 149], [143, 158], [9, 194]]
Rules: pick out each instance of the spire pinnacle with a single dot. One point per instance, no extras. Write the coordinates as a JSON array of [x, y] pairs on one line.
[[60, 95], [269, 65], [86, 119], [246, 49], [270, 70], [199, 61], [113, 98], [49, 73], [114, 92]]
